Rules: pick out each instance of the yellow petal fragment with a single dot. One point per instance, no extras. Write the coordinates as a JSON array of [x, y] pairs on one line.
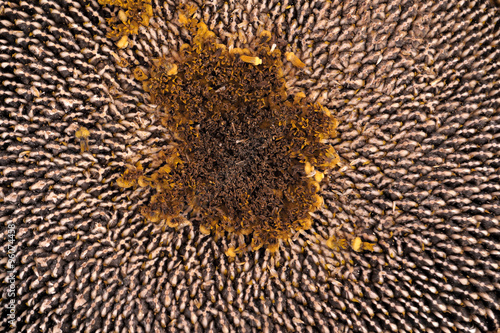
[[204, 230], [143, 181], [256, 244], [139, 74], [165, 169], [368, 246], [209, 35], [306, 223], [356, 244], [274, 247], [184, 47], [202, 29], [145, 19], [237, 50], [326, 111], [318, 201], [251, 60], [149, 10], [124, 183], [123, 42], [308, 168], [221, 46], [265, 35], [230, 252], [172, 70], [245, 232], [336, 244], [122, 16], [319, 176], [82, 133], [183, 19], [298, 97], [294, 60], [172, 223], [154, 218]]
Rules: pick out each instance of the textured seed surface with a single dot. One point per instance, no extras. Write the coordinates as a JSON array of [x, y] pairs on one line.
[[417, 89]]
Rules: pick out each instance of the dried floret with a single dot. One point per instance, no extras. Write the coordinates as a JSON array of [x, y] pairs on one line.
[[130, 16], [336, 243], [122, 16], [368, 246], [251, 60], [290, 56], [123, 42], [82, 134], [140, 75], [231, 252], [358, 245], [172, 69], [246, 160], [265, 35], [130, 176]]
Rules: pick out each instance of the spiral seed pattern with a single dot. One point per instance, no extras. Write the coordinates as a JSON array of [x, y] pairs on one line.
[[417, 90]]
